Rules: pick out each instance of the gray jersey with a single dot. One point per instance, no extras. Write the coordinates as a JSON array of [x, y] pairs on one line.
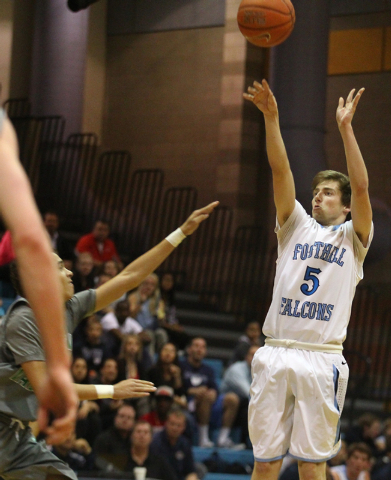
[[20, 342]]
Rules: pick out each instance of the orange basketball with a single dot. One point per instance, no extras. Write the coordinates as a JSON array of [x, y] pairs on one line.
[[266, 23]]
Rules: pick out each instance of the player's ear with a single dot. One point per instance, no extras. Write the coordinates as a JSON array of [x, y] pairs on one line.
[[346, 209]]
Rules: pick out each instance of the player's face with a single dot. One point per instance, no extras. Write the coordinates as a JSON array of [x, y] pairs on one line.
[[327, 208], [65, 279], [357, 462]]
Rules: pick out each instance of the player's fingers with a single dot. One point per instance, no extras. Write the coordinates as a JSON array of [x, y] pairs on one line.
[[350, 96], [258, 86], [340, 102], [357, 97], [248, 96]]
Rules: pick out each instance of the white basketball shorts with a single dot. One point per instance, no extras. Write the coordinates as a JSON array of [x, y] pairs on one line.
[[296, 403]]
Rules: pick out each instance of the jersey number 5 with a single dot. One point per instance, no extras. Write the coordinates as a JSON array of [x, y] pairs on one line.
[[311, 275]]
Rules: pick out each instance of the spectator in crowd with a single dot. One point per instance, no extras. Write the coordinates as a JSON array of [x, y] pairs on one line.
[[163, 402], [111, 268], [170, 323], [76, 452], [141, 456], [133, 362], [251, 336], [108, 407], [167, 371], [99, 245], [367, 431], [201, 390], [174, 446], [147, 307], [60, 244], [382, 469], [119, 322], [96, 347], [88, 423], [83, 275], [113, 444], [357, 466], [237, 379]]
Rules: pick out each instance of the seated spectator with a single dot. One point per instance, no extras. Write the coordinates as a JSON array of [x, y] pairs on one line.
[[141, 456], [163, 402], [167, 371], [83, 274], [108, 407], [132, 363], [237, 379], [60, 244], [170, 323], [357, 464], [147, 307], [174, 447], [88, 423], [111, 268], [382, 469], [119, 322], [252, 336], [76, 452], [96, 347], [98, 244], [113, 444], [201, 390], [367, 431]]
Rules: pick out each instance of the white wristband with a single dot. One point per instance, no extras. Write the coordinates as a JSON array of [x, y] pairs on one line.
[[176, 237], [104, 391]]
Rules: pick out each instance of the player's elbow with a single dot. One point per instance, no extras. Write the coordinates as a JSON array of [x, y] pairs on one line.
[[29, 240]]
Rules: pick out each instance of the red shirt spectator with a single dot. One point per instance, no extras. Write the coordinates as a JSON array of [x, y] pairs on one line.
[[98, 244]]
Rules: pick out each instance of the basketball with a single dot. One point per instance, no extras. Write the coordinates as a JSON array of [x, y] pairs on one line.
[[266, 23]]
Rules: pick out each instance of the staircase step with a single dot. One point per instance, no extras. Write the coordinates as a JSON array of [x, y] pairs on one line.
[[188, 316], [221, 335]]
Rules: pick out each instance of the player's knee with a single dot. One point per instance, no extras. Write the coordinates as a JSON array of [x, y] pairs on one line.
[[311, 470], [262, 469]]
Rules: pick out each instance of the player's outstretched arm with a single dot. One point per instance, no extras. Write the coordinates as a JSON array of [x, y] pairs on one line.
[[39, 277], [139, 269], [360, 203], [283, 184]]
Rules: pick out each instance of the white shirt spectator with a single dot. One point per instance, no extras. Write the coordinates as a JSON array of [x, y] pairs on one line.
[[130, 325]]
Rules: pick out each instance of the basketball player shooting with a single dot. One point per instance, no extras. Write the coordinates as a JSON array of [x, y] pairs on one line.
[[300, 375]]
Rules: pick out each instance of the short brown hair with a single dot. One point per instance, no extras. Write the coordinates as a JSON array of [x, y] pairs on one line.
[[342, 180], [359, 447]]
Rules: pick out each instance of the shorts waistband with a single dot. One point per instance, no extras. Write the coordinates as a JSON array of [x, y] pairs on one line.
[[313, 347], [10, 421]]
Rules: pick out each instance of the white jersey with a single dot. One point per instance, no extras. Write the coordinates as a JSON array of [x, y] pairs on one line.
[[318, 269]]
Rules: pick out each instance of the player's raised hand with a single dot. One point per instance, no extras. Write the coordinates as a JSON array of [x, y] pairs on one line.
[[346, 110], [198, 216], [133, 388], [262, 97]]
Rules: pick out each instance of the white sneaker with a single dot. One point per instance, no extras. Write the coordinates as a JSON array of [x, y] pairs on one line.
[[207, 444], [228, 443]]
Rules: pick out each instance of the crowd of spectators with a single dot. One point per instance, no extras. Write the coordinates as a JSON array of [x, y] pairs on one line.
[[139, 337]]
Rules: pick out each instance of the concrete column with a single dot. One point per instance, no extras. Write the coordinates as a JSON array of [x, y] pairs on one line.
[[299, 82], [59, 62]]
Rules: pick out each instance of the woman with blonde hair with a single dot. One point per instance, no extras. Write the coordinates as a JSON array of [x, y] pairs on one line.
[[147, 307]]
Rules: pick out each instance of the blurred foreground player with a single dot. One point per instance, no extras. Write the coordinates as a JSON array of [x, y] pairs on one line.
[[40, 281], [23, 368], [300, 376]]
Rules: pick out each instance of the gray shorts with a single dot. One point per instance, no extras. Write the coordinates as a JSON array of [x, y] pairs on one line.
[[22, 457]]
